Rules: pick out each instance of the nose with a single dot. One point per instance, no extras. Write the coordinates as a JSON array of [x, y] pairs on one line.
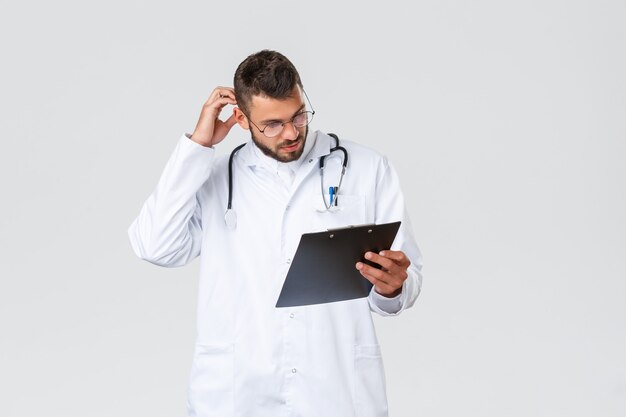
[[290, 132]]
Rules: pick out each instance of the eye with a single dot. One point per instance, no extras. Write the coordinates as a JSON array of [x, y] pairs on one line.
[[273, 125], [300, 118]]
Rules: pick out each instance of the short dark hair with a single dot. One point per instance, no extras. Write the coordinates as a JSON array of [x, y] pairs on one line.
[[268, 73]]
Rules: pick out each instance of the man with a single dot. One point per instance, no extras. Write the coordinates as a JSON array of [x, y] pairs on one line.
[[251, 358]]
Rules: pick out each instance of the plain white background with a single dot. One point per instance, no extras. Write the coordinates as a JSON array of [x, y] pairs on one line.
[[504, 119]]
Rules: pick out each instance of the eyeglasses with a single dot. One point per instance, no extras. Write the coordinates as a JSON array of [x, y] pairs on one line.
[[301, 119]]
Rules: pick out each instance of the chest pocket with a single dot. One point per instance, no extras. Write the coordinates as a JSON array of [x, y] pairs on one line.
[[350, 211]]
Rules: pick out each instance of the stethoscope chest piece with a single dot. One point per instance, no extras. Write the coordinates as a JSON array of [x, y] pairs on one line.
[[230, 217]]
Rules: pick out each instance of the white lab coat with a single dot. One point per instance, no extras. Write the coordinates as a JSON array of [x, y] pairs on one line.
[[253, 359]]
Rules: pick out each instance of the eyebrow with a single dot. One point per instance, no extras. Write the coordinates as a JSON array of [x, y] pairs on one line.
[[268, 121]]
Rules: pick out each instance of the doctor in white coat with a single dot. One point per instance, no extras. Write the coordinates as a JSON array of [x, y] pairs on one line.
[[253, 359]]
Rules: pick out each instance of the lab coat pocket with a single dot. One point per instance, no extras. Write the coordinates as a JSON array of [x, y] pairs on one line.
[[369, 390], [211, 391], [349, 211]]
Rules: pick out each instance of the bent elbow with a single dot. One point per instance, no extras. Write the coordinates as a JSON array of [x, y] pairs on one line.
[[157, 253]]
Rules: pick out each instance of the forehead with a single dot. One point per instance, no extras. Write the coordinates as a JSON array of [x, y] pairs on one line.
[[267, 108]]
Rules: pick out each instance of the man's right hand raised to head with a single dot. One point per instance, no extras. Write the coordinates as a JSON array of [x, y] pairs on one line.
[[210, 130]]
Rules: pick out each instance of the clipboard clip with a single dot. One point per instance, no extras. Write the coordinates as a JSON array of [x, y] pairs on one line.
[[335, 229]]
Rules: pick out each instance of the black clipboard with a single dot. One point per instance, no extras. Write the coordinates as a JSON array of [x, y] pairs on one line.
[[323, 268]]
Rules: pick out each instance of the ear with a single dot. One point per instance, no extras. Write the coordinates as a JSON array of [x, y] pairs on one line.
[[241, 118]]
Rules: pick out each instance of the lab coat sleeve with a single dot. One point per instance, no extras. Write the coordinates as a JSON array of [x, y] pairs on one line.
[[168, 230], [390, 206]]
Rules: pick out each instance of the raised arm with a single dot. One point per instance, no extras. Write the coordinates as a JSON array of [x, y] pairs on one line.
[[168, 230]]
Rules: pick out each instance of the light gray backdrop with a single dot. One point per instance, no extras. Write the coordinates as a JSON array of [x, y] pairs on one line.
[[504, 119]]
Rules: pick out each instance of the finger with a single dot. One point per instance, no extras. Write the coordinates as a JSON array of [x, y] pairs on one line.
[[222, 128], [223, 101], [224, 94], [376, 273], [380, 260], [216, 106], [213, 107], [382, 287], [221, 92], [398, 257], [398, 273], [396, 276], [231, 121]]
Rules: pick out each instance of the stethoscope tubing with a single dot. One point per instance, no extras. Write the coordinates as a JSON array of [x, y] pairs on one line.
[[230, 175], [230, 217]]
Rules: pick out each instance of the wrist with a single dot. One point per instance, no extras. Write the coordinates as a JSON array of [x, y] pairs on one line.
[[200, 140], [390, 295]]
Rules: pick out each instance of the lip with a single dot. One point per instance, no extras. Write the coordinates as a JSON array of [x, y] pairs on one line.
[[291, 148]]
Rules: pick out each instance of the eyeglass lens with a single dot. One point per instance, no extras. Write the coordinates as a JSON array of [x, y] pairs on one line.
[[300, 120]]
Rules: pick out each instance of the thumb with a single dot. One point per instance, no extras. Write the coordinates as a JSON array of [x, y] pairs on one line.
[[231, 121]]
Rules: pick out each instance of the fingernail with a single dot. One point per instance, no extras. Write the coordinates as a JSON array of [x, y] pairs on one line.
[[359, 265], [368, 255]]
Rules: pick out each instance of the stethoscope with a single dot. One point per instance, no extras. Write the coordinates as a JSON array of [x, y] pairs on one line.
[[230, 217]]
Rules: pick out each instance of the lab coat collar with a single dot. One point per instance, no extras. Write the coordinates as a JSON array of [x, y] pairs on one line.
[[322, 145]]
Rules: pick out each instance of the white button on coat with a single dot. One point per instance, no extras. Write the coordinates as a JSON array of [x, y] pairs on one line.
[[243, 342]]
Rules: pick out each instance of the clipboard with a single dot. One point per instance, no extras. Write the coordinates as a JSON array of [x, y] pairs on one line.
[[323, 268]]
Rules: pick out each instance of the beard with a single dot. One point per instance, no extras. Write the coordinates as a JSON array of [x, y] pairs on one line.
[[285, 157]]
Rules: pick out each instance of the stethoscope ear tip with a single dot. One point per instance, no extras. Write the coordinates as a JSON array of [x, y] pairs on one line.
[[230, 217]]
